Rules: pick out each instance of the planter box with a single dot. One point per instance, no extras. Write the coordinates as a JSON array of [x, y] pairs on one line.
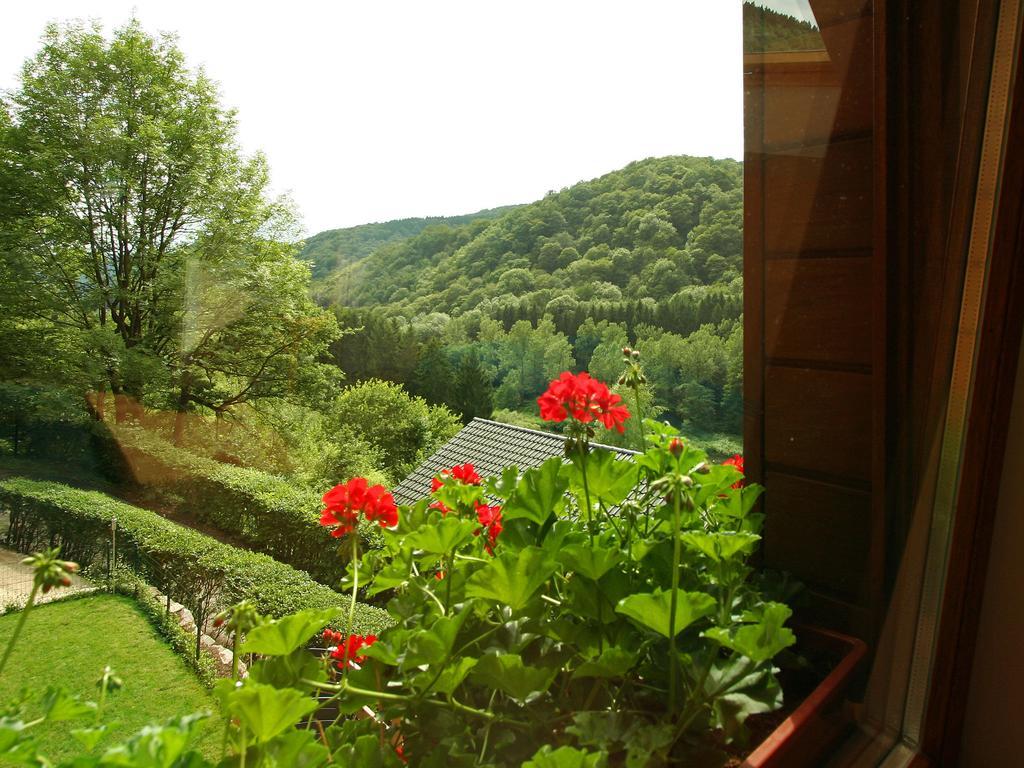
[[814, 727]]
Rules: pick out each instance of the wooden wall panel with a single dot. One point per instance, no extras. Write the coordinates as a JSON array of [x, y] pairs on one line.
[[831, 517], [813, 293], [819, 421], [810, 108], [818, 309], [820, 198]]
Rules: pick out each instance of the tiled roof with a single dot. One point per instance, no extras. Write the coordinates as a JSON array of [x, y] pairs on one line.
[[490, 446]]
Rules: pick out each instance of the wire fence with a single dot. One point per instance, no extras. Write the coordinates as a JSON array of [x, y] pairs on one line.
[[107, 561], [16, 579]]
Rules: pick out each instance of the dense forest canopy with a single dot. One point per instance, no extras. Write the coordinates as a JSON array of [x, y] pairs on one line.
[[481, 315], [332, 249], [768, 31]]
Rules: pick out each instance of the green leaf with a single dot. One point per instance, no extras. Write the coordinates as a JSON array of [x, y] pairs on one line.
[[266, 711], [566, 757], [508, 673], [394, 574], [449, 679], [59, 705], [609, 479], [592, 562], [653, 609], [365, 751], [761, 641], [292, 749], [754, 694], [15, 739], [505, 485], [287, 671], [433, 644], [539, 494], [600, 729], [89, 737], [442, 536], [512, 577], [160, 746], [281, 637], [645, 741], [721, 547], [613, 662]]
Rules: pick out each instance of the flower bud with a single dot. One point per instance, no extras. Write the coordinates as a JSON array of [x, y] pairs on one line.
[[65, 580], [219, 621], [635, 354], [626, 351], [676, 447]]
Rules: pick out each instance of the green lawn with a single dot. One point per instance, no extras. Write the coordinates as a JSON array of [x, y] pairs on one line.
[[69, 643]]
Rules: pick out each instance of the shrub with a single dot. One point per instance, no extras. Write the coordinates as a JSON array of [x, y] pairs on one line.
[[264, 511], [402, 427], [176, 559]]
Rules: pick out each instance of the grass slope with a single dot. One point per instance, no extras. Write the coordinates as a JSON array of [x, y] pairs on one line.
[[69, 643]]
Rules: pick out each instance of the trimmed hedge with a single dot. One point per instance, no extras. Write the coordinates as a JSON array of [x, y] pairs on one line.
[[264, 511], [178, 560]]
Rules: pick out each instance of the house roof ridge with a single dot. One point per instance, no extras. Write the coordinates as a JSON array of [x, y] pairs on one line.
[[531, 431]]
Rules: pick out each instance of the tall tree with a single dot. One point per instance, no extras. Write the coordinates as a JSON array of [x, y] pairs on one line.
[[474, 389], [121, 180]]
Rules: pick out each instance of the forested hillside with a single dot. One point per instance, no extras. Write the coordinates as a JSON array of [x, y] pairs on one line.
[[765, 30], [327, 251], [480, 316]]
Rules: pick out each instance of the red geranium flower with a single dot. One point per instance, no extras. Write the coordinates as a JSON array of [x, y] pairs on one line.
[[584, 399], [331, 637], [490, 519], [346, 502], [736, 461], [347, 654], [464, 473]]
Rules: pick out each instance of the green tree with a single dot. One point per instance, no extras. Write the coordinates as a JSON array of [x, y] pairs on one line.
[[123, 198], [400, 426], [474, 389], [433, 378]]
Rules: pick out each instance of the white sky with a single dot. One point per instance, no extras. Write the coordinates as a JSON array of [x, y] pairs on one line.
[[380, 109]]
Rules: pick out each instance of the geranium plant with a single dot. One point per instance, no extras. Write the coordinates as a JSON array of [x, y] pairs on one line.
[[590, 611], [599, 606]]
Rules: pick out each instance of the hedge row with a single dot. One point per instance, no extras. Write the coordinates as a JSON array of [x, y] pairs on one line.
[[181, 562], [262, 510]]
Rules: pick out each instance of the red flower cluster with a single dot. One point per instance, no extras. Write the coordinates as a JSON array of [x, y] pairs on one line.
[[583, 398], [736, 461], [490, 519], [464, 473], [346, 502], [331, 637], [347, 653]]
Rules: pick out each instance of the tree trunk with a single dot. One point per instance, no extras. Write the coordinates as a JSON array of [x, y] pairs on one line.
[[183, 400], [120, 407]]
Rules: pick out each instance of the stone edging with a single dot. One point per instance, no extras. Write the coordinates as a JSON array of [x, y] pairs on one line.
[[220, 654]]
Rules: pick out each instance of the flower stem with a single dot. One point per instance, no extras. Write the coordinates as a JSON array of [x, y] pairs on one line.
[[639, 417], [21, 625], [590, 529], [352, 605], [450, 560], [673, 660]]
